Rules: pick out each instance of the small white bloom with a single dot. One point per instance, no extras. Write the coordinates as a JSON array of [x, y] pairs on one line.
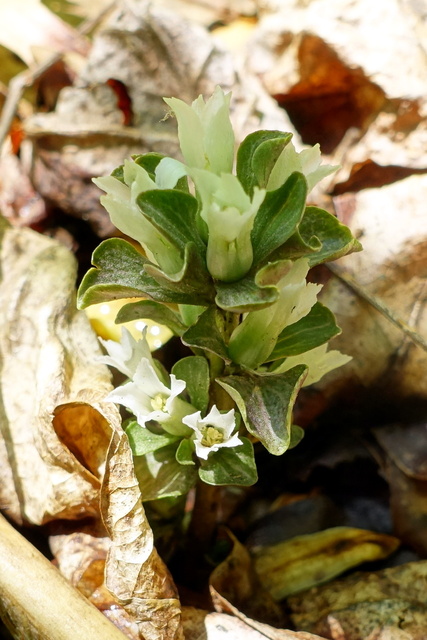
[[307, 162], [125, 214], [146, 395], [213, 432], [319, 361], [205, 132], [126, 354], [254, 339]]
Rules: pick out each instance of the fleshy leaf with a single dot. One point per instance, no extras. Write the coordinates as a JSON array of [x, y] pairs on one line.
[[245, 295], [208, 334], [314, 329], [257, 155], [265, 403], [297, 434], [337, 239], [160, 475], [174, 214], [184, 453], [194, 370], [148, 309], [296, 247], [233, 466], [192, 283], [119, 272], [278, 216], [143, 441]]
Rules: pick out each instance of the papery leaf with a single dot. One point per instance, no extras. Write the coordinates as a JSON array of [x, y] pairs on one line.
[[184, 453], [143, 441], [265, 403], [174, 214], [148, 309], [278, 216], [119, 272], [195, 371], [230, 466], [314, 329], [192, 283], [257, 155], [245, 295], [208, 334], [160, 474], [337, 239]]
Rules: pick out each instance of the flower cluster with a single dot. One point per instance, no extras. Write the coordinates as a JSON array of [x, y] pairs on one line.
[[224, 244], [150, 397]]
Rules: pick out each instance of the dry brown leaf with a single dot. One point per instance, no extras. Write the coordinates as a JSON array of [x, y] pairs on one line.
[[135, 574], [236, 581], [405, 583], [153, 53], [304, 561], [49, 355]]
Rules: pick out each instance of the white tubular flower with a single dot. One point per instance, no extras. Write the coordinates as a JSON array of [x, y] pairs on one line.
[[213, 432], [126, 354], [306, 162], [254, 339], [146, 395], [229, 214], [205, 133], [319, 361], [120, 202]]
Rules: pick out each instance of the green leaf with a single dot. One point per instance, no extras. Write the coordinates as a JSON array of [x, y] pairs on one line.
[[337, 239], [208, 334], [148, 309], [195, 371], [143, 441], [160, 475], [184, 453], [316, 328], [174, 214], [120, 273], [278, 216], [296, 247], [257, 155], [245, 295], [230, 466], [265, 403], [297, 434], [192, 282]]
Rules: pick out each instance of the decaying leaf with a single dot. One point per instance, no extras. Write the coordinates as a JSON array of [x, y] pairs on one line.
[[405, 583], [236, 581], [48, 359], [135, 574], [297, 564]]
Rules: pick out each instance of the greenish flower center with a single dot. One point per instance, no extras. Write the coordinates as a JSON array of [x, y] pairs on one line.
[[211, 436], [159, 402]]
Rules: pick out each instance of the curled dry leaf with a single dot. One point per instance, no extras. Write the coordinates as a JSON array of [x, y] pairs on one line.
[[49, 358], [236, 581], [135, 574], [297, 564]]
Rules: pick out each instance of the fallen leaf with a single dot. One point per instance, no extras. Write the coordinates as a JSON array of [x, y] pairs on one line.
[[297, 564], [405, 583], [236, 581], [49, 358], [135, 574]]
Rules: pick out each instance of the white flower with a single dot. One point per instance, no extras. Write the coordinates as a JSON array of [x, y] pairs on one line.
[[319, 361], [205, 132], [146, 395], [125, 214], [213, 432], [254, 339], [306, 162]]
